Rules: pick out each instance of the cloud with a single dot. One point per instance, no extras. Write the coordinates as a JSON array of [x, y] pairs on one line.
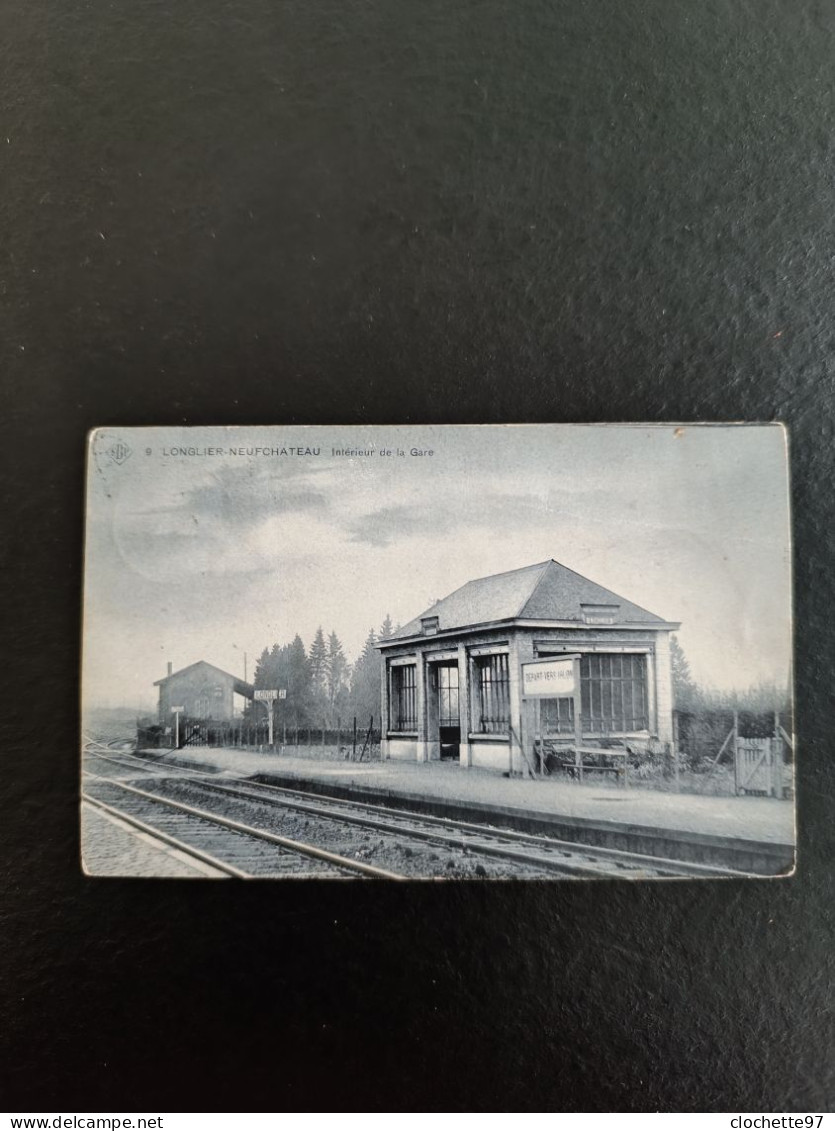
[[457, 512], [243, 497], [387, 525]]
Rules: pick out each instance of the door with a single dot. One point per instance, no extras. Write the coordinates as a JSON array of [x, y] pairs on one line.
[[449, 722]]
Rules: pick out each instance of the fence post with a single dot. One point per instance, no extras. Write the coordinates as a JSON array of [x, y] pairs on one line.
[[367, 739]]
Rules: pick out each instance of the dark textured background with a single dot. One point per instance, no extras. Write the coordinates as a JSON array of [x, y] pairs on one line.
[[273, 210]]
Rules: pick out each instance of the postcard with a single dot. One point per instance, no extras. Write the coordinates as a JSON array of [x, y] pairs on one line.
[[460, 653]]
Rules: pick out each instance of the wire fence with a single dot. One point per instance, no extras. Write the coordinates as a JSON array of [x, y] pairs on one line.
[[355, 740]]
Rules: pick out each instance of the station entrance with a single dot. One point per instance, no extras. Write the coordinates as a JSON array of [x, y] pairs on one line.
[[448, 717]]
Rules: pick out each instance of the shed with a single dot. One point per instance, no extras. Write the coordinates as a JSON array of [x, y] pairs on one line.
[[451, 678], [202, 690]]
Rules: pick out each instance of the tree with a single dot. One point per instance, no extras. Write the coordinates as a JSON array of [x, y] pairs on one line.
[[365, 681], [386, 630], [297, 681], [274, 666], [261, 675], [318, 658], [336, 672], [685, 691], [318, 668]]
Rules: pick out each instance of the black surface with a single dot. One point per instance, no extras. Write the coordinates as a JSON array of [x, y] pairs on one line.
[[245, 211]]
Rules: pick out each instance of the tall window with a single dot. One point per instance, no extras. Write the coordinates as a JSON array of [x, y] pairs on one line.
[[404, 697], [493, 694], [613, 693], [448, 696]]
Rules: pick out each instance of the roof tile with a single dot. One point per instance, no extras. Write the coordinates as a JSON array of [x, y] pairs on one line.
[[545, 591]]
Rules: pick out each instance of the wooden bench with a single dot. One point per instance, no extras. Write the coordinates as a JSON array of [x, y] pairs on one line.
[[580, 766]]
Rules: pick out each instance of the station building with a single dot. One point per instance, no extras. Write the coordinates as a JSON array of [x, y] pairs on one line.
[[451, 678], [202, 691]]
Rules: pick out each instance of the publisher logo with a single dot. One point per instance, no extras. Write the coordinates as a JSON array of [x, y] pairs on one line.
[[119, 451]]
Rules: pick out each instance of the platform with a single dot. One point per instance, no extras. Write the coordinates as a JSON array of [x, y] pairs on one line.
[[647, 820]]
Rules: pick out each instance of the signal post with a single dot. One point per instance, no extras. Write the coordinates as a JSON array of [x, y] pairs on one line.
[[268, 698]]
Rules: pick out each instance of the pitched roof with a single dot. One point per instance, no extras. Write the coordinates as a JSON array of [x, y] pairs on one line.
[[238, 685], [545, 591]]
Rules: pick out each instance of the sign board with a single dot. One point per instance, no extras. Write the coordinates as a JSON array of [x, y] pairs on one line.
[[282, 693], [549, 679], [176, 709], [268, 695]]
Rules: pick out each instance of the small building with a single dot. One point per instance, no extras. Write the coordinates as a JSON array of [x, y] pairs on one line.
[[202, 691], [451, 678]]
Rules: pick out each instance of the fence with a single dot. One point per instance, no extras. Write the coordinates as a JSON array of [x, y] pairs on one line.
[[719, 752], [755, 756], [357, 740], [742, 753]]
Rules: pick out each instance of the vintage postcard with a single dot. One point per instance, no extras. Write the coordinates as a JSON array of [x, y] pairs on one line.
[[438, 652]]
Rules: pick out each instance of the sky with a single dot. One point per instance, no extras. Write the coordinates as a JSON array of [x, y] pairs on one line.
[[213, 543]]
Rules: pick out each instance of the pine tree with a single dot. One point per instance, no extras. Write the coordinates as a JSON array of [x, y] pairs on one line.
[[298, 683], [261, 675], [318, 668], [318, 658], [260, 680], [274, 665], [336, 675], [386, 630], [365, 682], [685, 691]]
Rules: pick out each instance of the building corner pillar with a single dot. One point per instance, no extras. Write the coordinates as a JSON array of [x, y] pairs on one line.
[[422, 748], [663, 688], [465, 756], [384, 707], [521, 651]]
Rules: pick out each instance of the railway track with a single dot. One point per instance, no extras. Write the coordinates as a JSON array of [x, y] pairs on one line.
[[413, 840], [231, 847]]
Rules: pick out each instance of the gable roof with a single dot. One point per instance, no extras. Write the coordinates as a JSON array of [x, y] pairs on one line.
[[545, 591], [238, 685]]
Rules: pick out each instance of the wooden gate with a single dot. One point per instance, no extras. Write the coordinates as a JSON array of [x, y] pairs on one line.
[[758, 761], [758, 767]]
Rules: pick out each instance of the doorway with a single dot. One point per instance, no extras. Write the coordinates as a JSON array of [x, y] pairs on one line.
[[449, 722]]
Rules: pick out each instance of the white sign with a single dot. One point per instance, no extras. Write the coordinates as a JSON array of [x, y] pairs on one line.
[[551, 679], [176, 709], [266, 695]]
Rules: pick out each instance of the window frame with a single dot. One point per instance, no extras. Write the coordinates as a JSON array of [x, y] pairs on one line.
[[614, 700], [491, 701], [449, 694], [562, 714], [403, 698]]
